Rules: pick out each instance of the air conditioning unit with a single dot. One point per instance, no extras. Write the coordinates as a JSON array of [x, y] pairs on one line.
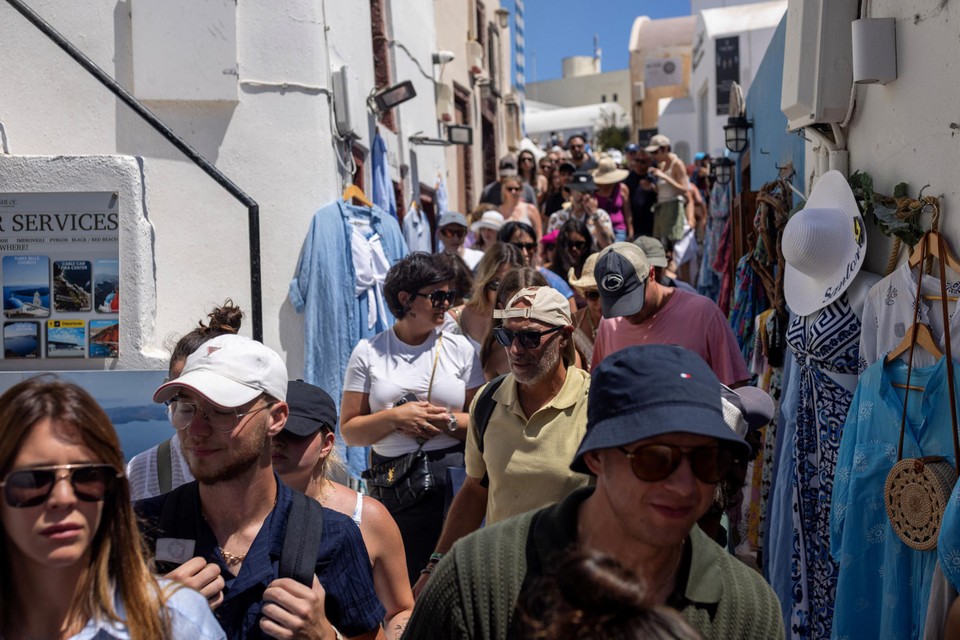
[[474, 57], [639, 91], [444, 102], [817, 61]]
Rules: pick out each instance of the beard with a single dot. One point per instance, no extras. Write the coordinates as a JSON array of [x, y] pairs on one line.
[[244, 456], [542, 367]]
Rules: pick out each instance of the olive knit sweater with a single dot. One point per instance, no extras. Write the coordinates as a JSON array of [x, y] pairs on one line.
[[474, 590]]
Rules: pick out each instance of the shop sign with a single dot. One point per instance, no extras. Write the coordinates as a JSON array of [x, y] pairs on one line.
[[727, 71]]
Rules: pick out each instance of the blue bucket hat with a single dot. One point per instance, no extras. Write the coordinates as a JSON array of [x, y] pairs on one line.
[[650, 390]]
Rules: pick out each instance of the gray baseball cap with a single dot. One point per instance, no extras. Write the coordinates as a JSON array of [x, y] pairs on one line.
[[653, 249]]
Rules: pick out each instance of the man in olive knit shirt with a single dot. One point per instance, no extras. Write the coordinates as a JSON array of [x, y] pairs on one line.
[[658, 444]]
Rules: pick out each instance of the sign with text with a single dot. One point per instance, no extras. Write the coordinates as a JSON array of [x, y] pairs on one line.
[[60, 275], [662, 72], [728, 71]]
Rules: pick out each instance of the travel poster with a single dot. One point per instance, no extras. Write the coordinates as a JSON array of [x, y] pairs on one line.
[[21, 340], [106, 285], [104, 338], [66, 339], [26, 286], [71, 285]]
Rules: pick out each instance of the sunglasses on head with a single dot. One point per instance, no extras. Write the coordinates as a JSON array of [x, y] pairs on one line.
[[453, 231], [437, 298], [525, 246], [527, 339], [655, 462], [31, 487]]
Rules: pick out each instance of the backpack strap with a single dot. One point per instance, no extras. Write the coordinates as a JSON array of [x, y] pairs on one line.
[[482, 411], [298, 557], [177, 519], [164, 467]]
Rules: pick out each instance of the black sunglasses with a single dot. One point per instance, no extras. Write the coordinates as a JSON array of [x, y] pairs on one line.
[[527, 339], [31, 487], [512, 189], [591, 295], [655, 462], [437, 298], [579, 245], [525, 246], [453, 231]]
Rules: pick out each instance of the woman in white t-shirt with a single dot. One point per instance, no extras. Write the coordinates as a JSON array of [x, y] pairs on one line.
[[388, 383]]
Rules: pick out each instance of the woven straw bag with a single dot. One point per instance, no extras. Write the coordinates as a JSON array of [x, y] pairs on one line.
[[917, 489]]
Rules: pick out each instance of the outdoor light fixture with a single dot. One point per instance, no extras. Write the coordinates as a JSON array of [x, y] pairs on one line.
[[443, 57], [386, 99], [419, 139], [459, 134], [503, 18], [735, 133], [722, 170]]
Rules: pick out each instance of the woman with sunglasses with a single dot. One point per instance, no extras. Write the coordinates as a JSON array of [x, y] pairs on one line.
[[524, 237], [73, 563], [527, 167], [574, 244], [473, 319], [512, 207], [586, 320], [409, 387]]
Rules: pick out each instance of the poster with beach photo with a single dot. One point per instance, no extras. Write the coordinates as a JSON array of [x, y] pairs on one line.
[[66, 339], [21, 340], [71, 286], [106, 285], [26, 286], [104, 339]]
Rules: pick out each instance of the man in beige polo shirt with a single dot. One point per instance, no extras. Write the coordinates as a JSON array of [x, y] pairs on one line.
[[538, 417]]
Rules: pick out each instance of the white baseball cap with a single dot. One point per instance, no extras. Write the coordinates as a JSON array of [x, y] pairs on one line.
[[230, 371]]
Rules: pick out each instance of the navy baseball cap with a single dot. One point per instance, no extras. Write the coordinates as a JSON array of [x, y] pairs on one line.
[[621, 272], [632, 148], [311, 409], [649, 390], [582, 181]]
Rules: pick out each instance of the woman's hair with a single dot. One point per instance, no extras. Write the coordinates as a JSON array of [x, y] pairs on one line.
[[462, 281], [419, 269], [498, 255], [592, 595], [511, 283], [532, 178], [508, 229], [117, 556], [562, 261], [222, 320]]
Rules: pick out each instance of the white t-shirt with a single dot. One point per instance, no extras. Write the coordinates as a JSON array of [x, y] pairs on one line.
[[472, 258], [386, 369]]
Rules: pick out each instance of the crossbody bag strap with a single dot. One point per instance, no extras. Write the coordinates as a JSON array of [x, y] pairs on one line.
[[946, 336], [433, 372], [165, 466]]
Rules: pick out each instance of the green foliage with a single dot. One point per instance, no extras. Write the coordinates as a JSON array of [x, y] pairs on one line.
[[613, 137], [896, 215]]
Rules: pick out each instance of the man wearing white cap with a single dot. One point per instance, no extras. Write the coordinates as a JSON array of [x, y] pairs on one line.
[[533, 419], [639, 310], [226, 530]]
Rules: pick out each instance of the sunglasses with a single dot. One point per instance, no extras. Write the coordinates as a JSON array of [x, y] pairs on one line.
[[579, 245], [591, 295], [31, 487], [512, 189], [527, 339], [453, 231], [181, 413], [525, 246], [437, 298], [655, 462]]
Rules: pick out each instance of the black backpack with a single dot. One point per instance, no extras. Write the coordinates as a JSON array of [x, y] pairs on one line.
[[298, 556], [482, 411]]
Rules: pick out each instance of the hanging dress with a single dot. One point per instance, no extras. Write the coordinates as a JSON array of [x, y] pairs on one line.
[[822, 342]]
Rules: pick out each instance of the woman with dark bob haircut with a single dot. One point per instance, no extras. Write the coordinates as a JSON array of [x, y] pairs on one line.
[[410, 388], [73, 561]]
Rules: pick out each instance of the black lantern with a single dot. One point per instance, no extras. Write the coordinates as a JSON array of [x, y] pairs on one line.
[[722, 170], [735, 133]]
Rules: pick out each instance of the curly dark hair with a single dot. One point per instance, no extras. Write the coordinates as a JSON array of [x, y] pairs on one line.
[[419, 269], [592, 595], [222, 320]]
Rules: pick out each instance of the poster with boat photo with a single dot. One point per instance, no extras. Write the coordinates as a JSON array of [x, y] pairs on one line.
[[106, 285], [104, 338], [26, 286]]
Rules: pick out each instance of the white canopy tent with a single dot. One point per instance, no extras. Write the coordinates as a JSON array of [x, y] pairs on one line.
[[570, 120]]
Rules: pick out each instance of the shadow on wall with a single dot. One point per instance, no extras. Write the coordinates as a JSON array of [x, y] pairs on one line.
[[203, 125]]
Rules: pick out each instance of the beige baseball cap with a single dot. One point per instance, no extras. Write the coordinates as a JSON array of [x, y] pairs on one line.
[[547, 305]]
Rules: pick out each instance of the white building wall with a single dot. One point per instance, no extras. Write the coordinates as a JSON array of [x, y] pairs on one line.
[[275, 144], [583, 90]]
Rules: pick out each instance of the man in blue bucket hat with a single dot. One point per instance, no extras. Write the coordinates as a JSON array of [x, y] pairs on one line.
[[658, 444]]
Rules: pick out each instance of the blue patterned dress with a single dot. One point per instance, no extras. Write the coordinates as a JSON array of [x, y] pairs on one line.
[[827, 340]]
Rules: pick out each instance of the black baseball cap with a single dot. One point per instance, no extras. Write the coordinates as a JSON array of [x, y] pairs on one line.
[[581, 181], [567, 167], [650, 390], [311, 409]]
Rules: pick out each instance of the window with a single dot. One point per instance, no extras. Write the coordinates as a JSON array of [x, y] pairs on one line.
[[493, 53], [603, 97], [615, 97]]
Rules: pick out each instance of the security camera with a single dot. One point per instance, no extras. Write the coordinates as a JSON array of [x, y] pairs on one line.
[[443, 57]]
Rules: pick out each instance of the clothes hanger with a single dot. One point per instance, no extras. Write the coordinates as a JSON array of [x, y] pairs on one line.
[[919, 333], [930, 239], [353, 191]]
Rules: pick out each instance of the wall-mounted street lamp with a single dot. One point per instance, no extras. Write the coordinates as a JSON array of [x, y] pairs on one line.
[[735, 133], [459, 134], [503, 17], [386, 99], [721, 170]]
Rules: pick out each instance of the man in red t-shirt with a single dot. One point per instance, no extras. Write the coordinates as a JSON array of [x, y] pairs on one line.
[[639, 310]]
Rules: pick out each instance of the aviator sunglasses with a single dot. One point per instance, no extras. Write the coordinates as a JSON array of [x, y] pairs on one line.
[[527, 339], [31, 487], [437, 298], [655, 462]]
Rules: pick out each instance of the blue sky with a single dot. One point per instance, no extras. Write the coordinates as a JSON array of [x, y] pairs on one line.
[[556, 29]]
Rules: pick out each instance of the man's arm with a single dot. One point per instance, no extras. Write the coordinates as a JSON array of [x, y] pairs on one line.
[[466, 513]]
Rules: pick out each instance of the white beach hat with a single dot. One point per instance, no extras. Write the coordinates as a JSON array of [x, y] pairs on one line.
[[824, 245], [489, 220]]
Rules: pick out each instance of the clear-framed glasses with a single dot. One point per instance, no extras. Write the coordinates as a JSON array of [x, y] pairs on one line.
[[31, 487], [182, 413]]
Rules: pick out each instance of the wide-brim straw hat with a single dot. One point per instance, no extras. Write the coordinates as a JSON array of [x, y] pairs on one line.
[[586, 279], [608, 173], [824, 245]]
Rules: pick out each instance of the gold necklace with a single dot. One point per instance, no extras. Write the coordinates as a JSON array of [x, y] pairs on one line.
[[232, 558]]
